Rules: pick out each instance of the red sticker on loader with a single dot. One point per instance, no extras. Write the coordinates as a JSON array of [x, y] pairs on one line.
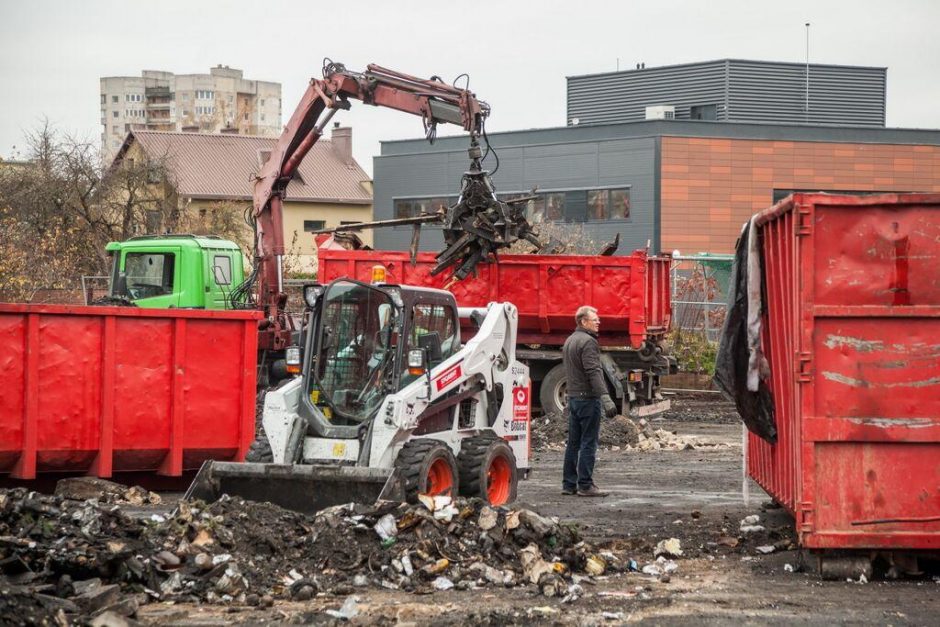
[[520, 404], [447, 377]]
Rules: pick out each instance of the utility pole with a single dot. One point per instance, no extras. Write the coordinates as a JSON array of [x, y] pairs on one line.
[[807, 73]]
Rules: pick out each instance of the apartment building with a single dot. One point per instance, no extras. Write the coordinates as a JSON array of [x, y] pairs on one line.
[[209, 103]]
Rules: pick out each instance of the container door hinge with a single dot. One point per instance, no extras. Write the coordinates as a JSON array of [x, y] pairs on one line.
[[804, 221], [804, 367]]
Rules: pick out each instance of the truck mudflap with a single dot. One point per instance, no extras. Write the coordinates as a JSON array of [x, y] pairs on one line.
[[306, 488], [651, 409]]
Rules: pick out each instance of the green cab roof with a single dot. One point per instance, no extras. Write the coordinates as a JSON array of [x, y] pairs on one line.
[[180, 240]]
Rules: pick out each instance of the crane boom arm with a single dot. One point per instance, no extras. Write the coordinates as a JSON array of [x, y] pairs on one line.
[[431, 99]]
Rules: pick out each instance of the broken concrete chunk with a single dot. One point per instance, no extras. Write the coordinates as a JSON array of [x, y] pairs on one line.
[[442, 583], [540, 525], [488, 518], [98, 597], [670, 547]]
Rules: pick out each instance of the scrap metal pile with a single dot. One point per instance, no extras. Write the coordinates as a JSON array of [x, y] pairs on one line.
[[475, 228], [70, 558]]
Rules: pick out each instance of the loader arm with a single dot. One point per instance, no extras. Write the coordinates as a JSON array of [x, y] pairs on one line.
[[487, 360], [433, 100]]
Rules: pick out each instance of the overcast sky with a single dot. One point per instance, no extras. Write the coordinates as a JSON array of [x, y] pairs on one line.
[[52, 52]]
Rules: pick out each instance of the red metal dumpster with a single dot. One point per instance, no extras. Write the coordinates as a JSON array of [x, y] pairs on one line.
[[631, 292], [852, 334], [102, 390]]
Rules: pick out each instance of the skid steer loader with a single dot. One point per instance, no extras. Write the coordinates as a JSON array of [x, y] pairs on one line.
[[390, 405]]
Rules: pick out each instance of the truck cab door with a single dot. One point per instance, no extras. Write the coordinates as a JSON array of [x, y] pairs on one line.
[[153, 278]]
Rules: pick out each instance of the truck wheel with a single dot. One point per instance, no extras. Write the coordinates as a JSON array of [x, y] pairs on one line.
[[488, 469], [427, 467], [260, 451], [552, 392]]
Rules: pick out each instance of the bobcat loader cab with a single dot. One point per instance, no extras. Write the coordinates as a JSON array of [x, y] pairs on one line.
[[390, 405]]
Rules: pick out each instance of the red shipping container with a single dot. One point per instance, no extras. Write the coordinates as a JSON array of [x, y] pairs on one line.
[[852, 333], [631, 292], [102, 390]]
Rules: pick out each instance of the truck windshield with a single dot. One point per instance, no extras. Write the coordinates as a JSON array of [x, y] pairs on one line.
[[354, 354], [149, 274]]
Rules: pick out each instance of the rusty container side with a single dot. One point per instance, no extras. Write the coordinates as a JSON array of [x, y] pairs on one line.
[[547, 289], [852, 332], [104, 390]]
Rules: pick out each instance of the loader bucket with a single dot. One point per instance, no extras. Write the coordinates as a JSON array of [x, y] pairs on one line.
[[300, 487]]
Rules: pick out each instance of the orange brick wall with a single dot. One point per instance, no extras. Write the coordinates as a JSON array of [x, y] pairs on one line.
[[710, 187]]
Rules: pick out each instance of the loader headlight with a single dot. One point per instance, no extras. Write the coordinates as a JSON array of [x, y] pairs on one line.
[[416, 361], [312, 293], [292, 357]]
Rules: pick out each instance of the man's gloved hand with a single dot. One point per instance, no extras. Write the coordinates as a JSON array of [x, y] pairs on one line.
[[610, 408]]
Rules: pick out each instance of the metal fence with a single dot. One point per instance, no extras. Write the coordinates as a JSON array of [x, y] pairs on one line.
[[699, 292]]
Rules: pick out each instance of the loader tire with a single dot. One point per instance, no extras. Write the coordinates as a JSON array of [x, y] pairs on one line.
[[488, 469], [260, 451], [427, 466]]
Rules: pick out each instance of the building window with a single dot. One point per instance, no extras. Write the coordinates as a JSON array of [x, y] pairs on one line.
[[262, 102], [314, 225], [404, 209], [115, 113], [104, 98], [554, 207], [704, 112], [608, 204], [114, 98], [115, 129]]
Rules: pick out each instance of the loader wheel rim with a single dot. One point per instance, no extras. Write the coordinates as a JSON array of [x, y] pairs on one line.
[[498, 481], [440, 478]]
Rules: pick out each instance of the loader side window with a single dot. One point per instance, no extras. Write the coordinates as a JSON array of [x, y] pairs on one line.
[[427, 319]]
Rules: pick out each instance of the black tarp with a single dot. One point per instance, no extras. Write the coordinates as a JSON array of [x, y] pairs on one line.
[[736, 357]]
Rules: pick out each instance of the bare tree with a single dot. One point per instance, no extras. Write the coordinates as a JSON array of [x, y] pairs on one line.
[[60, 210]]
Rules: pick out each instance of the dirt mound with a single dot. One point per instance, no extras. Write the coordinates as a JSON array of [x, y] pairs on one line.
[[551, 432]]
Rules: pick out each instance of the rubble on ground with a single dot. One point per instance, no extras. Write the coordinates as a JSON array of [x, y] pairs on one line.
[[72, 558], [550, 432]]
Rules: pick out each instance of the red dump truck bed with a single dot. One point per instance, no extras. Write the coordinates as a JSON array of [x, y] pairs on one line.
[[631, 292], [852, 334], [103, 390]]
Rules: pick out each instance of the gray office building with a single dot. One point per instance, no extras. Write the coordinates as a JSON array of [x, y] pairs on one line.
[[676, 157]]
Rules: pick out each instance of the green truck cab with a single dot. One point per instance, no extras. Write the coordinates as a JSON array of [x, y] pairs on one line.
[[184, 271]]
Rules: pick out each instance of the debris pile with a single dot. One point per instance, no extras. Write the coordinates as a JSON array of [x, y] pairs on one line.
[[618, 433], [65, 557]]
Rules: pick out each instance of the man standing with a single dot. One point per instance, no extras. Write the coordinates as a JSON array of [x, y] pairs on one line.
[[587, 397]]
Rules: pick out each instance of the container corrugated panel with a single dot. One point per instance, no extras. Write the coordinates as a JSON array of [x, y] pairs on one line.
[[547, 289], [104, 390], [852, 334]]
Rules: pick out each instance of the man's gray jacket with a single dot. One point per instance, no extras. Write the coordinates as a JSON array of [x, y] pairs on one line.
[[582, 357]]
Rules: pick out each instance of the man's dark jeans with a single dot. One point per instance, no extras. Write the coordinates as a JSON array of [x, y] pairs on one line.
[[584, 423]]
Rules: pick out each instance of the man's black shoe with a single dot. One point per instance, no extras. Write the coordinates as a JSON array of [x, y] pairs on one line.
[[592, 491], [569, 491]]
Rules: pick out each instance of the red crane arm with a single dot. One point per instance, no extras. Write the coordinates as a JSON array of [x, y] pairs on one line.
[[433, 100]]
